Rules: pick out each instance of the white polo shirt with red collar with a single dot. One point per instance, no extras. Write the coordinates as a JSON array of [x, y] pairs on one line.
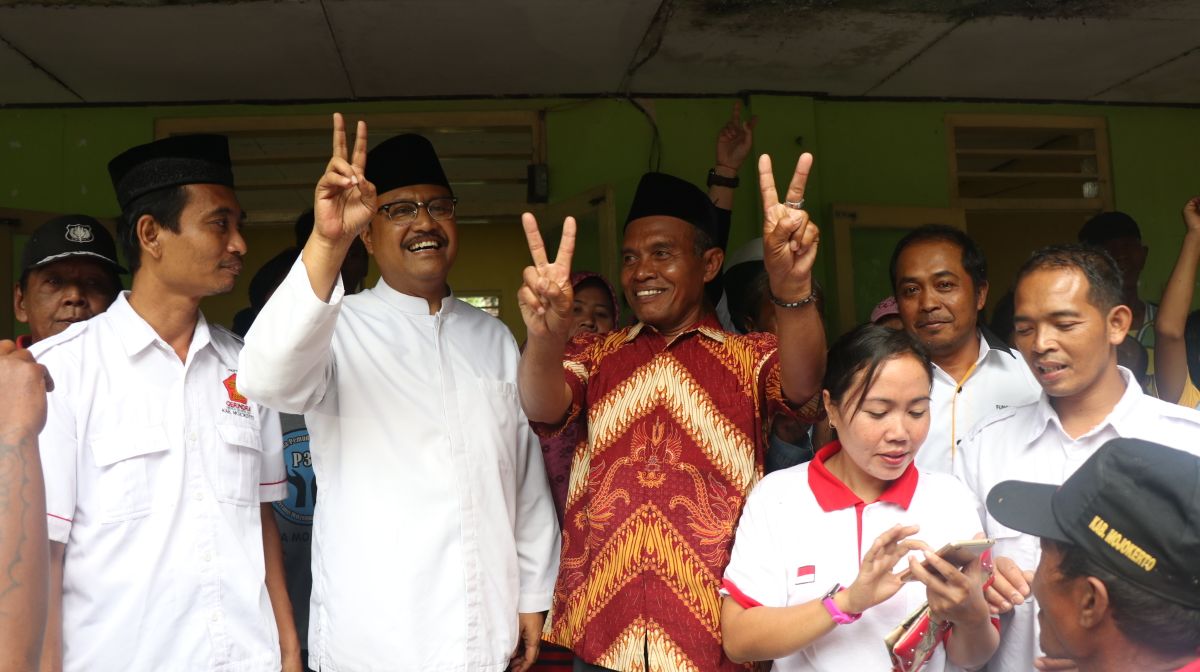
[[803, 530]]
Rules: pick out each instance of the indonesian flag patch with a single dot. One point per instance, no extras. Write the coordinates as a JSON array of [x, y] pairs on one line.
[[805, 574]]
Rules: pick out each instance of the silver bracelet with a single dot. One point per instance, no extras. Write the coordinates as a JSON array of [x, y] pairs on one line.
[[792, 304]]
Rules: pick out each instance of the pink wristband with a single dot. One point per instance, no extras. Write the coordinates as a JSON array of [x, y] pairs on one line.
[[839, 617]]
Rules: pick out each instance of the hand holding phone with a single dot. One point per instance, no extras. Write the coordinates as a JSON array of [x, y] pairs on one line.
[[958, 553]]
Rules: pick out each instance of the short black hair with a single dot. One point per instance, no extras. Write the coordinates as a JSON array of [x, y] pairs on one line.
[[745, 288], [303, 227], [703, 240], [1145, 619], [164, 205], [1102, 273], [1107, 226], [865, 348], [973, 261], [1002, 317]]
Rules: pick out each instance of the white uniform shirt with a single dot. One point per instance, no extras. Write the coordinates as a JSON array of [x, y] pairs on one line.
[[999, 379], [434, 524], [800, 533], [155, 469], [1028, 443]]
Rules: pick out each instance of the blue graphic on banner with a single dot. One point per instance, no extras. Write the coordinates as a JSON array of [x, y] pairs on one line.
[[298, 506]]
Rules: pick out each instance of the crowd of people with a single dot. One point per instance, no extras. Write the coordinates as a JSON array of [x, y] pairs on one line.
[[707, 485]]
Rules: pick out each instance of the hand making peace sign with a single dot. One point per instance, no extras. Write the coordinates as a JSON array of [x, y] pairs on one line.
[[790, 239], [546, 296], [345, 200]]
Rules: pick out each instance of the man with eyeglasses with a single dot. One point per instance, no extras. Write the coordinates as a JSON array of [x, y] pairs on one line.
[[435, 543]]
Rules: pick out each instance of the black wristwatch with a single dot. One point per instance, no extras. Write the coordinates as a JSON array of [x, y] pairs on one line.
[[715, 180]]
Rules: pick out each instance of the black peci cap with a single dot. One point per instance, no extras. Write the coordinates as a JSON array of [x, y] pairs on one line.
[[170, 162], [1134, 506], [404, 160], [662, 195]]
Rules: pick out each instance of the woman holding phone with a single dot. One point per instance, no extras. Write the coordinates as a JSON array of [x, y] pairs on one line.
[[812, 581]]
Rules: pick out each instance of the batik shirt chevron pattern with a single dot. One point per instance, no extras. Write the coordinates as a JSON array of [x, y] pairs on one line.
[[675, 443]]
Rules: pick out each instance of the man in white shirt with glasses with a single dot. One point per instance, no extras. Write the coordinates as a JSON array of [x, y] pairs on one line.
[[435, 542]]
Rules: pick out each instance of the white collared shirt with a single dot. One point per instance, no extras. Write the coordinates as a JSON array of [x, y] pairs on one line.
[[1028, 443], [999, 379], [434, 524], [155, 469]]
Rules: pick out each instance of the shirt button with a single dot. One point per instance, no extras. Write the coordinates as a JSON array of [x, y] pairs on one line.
[[199, 496], [207, 557], [216, 616], [191, 437]]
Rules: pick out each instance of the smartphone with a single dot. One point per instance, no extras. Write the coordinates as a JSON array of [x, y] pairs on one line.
[[959, 553]]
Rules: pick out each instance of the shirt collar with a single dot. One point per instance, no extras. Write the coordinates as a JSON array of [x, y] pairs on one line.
[[707, 325], [833, 495], [1120, 417], [136, 334], [407, 303], [990, 341]]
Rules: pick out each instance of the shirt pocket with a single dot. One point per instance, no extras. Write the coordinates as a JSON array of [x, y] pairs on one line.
[[239, 463], [123, 485], [500, 408]]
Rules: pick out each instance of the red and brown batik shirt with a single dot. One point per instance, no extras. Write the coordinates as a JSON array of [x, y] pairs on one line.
[[675, 442]]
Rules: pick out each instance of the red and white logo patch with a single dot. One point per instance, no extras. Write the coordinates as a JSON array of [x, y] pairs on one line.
[[805, 574], [237, 404]]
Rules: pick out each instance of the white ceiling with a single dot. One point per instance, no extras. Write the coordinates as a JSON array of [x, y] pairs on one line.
[[141, 51]]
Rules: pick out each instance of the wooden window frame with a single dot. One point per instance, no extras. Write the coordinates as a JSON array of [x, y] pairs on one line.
[[258, 124], [1099, 126]]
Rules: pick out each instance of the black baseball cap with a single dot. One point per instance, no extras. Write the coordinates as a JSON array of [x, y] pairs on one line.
[[69, 236], [1133, 506]]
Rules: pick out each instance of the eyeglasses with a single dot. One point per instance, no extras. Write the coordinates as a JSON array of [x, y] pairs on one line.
[[403, 212]]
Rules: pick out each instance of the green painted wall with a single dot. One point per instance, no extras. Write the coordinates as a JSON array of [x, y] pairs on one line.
[[890, 153]]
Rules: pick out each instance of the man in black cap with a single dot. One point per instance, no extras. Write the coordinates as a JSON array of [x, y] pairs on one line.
[[159, 472], [1118, 585], [675, 410], [68, 274], [435, 537]]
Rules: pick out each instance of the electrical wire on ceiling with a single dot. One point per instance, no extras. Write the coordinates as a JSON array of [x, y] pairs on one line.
[[648, 48]]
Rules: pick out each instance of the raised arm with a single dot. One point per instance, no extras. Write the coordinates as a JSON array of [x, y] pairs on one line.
[[344, 205], [1170, 348], [790, 242], [23, 548], [546, 297], [287, 361], [734, 141]]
